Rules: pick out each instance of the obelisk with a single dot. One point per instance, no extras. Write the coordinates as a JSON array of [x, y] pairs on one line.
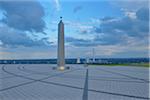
[[61, 49]]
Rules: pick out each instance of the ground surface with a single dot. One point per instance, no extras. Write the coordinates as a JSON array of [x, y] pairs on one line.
[[40, 82]]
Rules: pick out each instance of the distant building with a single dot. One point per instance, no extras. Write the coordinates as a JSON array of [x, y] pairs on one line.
[[78, 61], [87, 60]]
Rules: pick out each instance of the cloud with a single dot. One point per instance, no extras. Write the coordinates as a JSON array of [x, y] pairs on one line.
[[82, 28], [10, 37], [100, 39], [28, 52], [23, 15], [77, 8], [130, 14], [143, 14], [57, 4], [128, 4], [125, 27], [102, 51], [79, 42], [117, 31]]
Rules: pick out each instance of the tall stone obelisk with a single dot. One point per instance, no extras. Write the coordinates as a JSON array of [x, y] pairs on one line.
[[61, 49]]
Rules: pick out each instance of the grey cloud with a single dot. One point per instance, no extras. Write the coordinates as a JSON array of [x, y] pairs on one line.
[[97, 30], [137, 28], [114, 31], [77, 8], [110, 39], [131, 4], [143, 14], [98, 40], [121, 24], [79, 42], [13, 38], [23, 15]]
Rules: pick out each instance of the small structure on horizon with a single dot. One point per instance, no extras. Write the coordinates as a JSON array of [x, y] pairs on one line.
[[87, 60], [78, 61], [93, 56]]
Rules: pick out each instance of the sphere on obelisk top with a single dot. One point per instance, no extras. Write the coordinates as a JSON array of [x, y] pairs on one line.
[[60, 17], [61, 48]]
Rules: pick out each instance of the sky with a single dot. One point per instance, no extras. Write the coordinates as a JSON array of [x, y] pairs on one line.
[[114, 28]]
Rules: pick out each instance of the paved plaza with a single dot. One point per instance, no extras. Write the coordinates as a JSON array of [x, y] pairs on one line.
[[95, 82]]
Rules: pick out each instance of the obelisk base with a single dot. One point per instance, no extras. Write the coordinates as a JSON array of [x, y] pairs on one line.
[[61, 68]]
